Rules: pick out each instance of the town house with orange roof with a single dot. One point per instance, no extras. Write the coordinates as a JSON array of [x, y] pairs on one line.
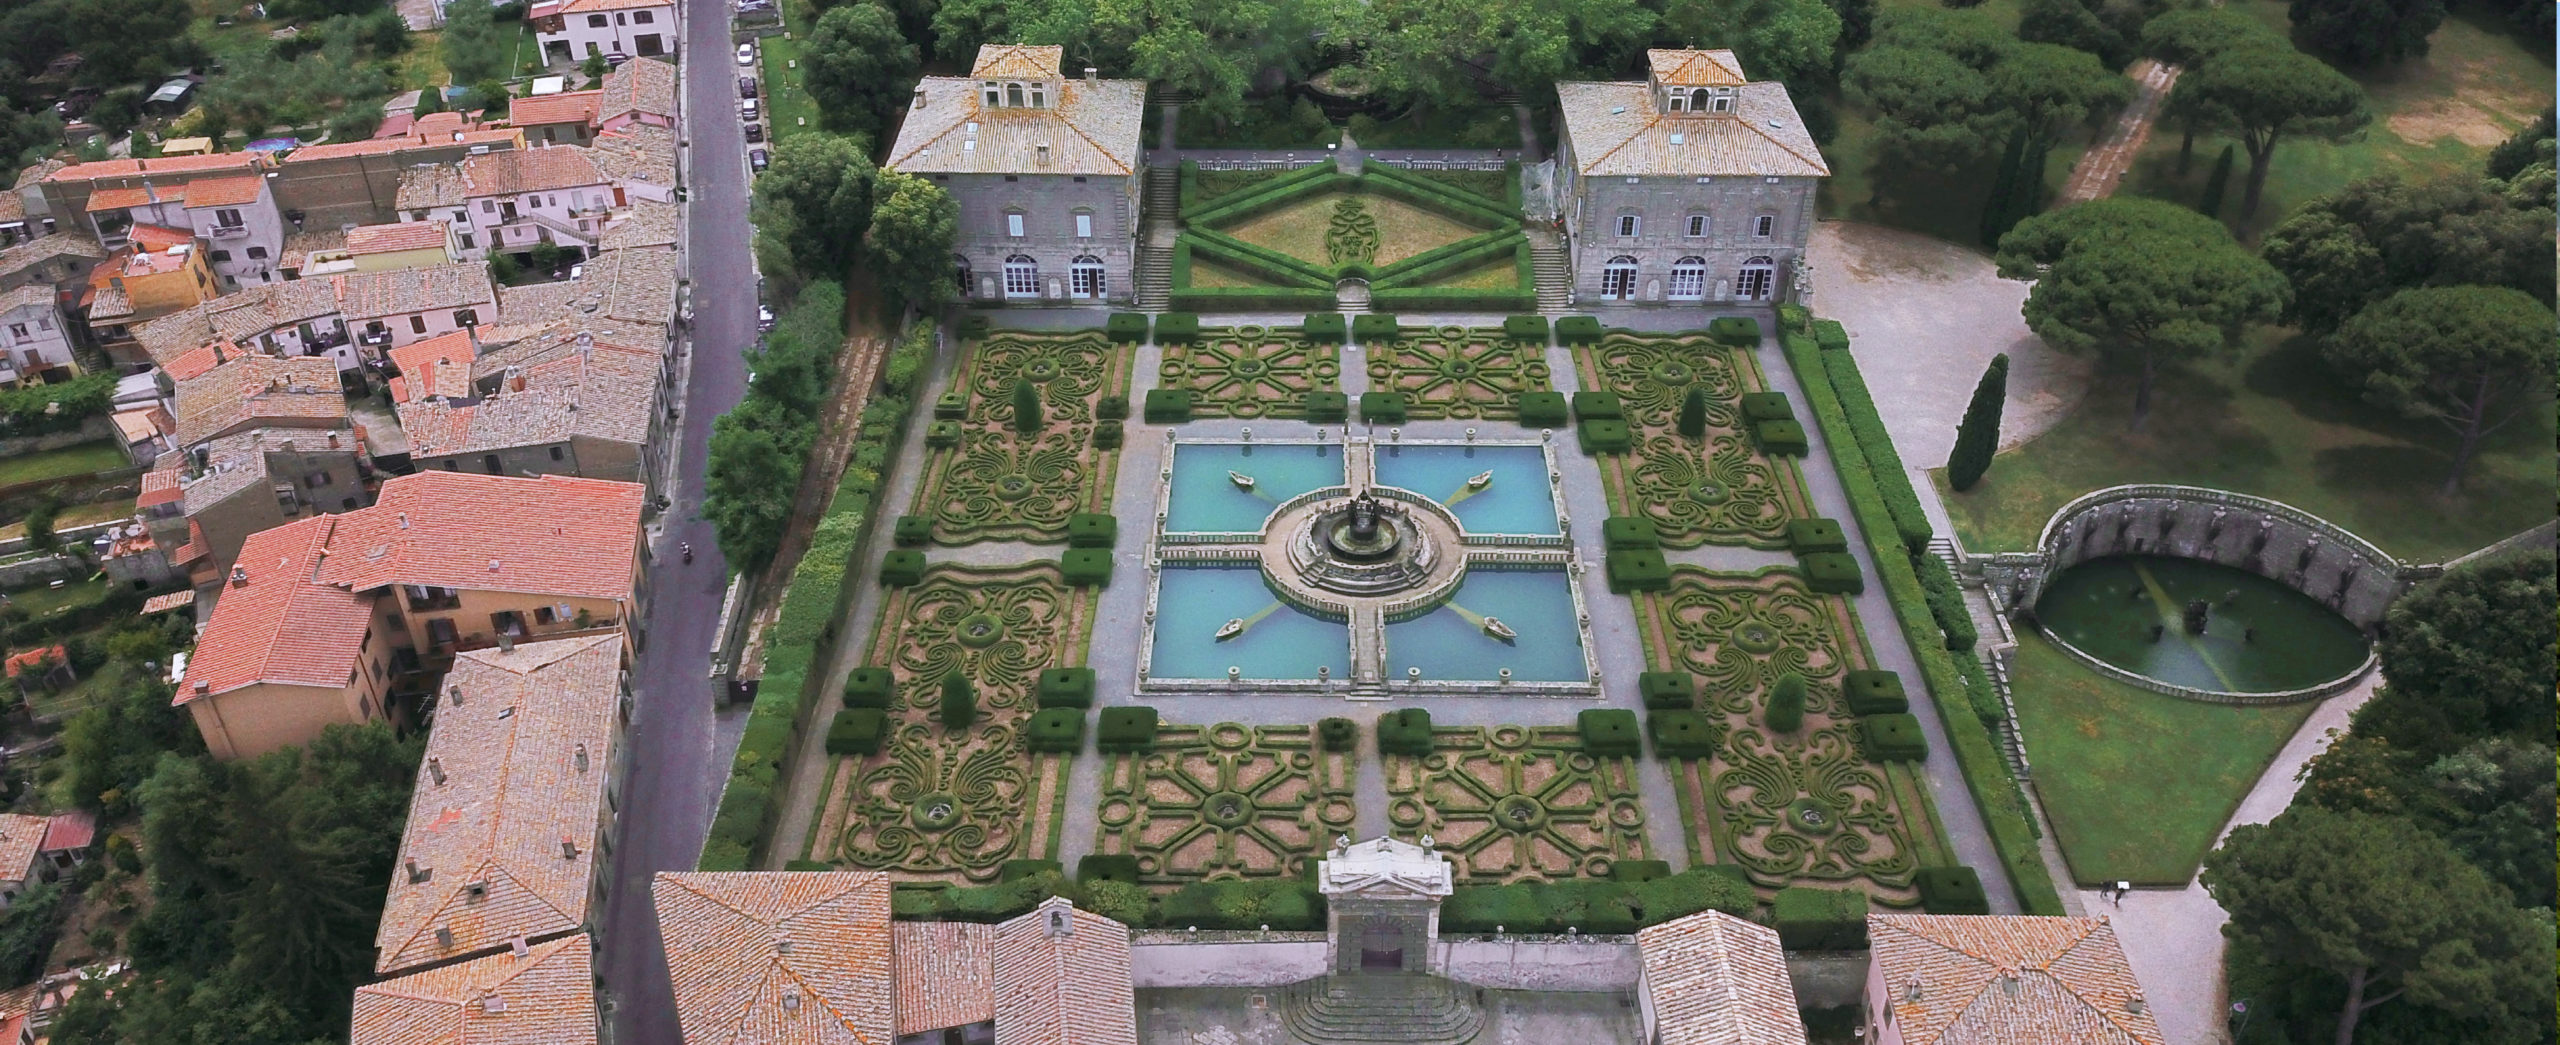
[[21, 843], [545, 995], [573, 30], [158, 272], [328, 187], [1045, 169], [1690, 187], [633, 93], [576, 405], [35, 338], [2005, 979], [233, 213], [239, 484], [515, 201], [511, 823], [344, 611]]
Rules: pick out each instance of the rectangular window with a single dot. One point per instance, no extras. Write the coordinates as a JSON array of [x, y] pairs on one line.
[[1697, 225], [18, 330], [1627, 224], [1013, 225], [466, 318], [1084, 226], [221, 256], [642, 18], [1763, 226], [466, 241], [595, 21], [257, 253], [417, 324]]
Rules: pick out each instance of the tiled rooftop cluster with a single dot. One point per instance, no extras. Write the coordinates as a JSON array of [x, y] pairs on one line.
[[2022, 980], [592, 389]]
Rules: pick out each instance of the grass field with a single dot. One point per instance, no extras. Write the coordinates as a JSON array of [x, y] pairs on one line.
[[2269, 421], [1299, 229], [2137, 784], [74, 515], [83, 459], [40, 600], [788, 109]]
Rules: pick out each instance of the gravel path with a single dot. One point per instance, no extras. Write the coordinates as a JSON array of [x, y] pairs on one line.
[[2102, 168]]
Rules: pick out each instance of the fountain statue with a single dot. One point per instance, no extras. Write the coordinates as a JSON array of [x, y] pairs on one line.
[[2199, 613]]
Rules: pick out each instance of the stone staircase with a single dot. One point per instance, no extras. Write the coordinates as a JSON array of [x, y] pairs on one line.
[[1993, 648], [1381, 1009], [1161, 201], [1555, 276]]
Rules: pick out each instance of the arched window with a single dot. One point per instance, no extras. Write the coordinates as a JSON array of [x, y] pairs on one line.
[[1013, 94], [960, 273], [1679, 99], [1698, 100], [994, 94], [1084, 277], [1757, 276], [1021, 277], [1618, 279], [1689, 279]]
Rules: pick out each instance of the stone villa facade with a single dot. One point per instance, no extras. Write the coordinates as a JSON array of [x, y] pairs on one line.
[[1694, 186], [1045, 170]]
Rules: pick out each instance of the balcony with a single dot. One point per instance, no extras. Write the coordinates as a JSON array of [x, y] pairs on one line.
[[227, 231]]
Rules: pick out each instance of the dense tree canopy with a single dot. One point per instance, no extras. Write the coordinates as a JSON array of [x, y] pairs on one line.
[[913, 231], [2470, 654], [858, 67], [1796, 41], [2351, 248], [2367, 32], [2470, 358], [2140, 281], [816, 201], [2265, 96], [1208, 49], [469, 43]]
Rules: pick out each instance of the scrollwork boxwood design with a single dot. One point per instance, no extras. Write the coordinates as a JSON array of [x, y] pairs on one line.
[[1715, 489], [1352, 237], [1455, 372], [940, 805], [1513, 803], [995, 486], [1250, 372], [1071, 371], [1809, 810], [1225, 801], [1000, 484], [1739, 637]]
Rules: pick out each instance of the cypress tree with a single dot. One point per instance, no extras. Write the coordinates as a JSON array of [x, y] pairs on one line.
[[959, 702], [1786, 704], [2216, 182], [1693, 412], [2001, 211], [1978, 437], [1026, 407]]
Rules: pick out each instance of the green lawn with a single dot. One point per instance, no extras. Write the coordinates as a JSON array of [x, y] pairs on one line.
[[2137, 784], [40, 600], [788, 109], [83, 459], [2269, 421]]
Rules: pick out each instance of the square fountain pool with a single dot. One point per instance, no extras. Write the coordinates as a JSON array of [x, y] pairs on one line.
[[1451, 642], [1280, 641]]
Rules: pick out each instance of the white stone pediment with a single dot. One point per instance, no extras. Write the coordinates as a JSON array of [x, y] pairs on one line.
[[1384, 868]]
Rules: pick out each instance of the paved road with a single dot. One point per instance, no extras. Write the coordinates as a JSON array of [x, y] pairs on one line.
[[677, 751]]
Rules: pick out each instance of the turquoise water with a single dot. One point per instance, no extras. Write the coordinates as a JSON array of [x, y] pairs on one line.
[[1205, 501], [1538, 604], [1193, 600], [2260, 636], [1517, 501]]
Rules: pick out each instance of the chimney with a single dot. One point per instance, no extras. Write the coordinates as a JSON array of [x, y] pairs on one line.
[[417, 874], [1911, 989], [239, 576], [2133, 1002], [404, 520], [1059, 924], [568, 849], [1041, 151], [491, 1002], [333, 440], [1092, 75], [455, 694], [493, 565], [444, 938], [435, 768], [515, 379], [506, 644], [919, 103], [791, 1001], [517, 946], [582, 758]]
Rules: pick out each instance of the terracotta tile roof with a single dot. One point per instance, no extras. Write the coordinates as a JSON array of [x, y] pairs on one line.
[[635, 287], [143, 424], [607, 392], [120, 199], [219, 161], [578, 107], [648, 223], [406, 235], [257, 388], [23, 297], [431, 186], [2017, 980], [546, 997], [225, 192], [37, 173], [493, 137], [379, 295], [193, 364], [1694, 68], [281, 625], [75, 830], [641, 85], [1091, 128], [21, 837], [554, 535], [300, 246], [171, 601], [238, 463], [1062, 978], [439, 365], [778, 958], [1617, 129], [637, 153], [21, 663], [582, 6], [945, 974], [66, 244], [539, 169], [1016, 62], [503, 822], [1718, 980], [238, 318], [160, 484]]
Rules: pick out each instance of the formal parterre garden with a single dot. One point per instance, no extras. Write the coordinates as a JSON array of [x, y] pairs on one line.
[[1288, 241], [1459, 372], [1251, 371], [1513, 803], [1224, 801], [1717, 487], [988, 480], [941, 804]]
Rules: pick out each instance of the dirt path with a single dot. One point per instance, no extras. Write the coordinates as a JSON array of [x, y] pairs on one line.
[[2102, 168]]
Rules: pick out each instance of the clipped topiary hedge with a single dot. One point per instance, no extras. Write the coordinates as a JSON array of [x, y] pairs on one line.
[[1086, 567], [1809, 919], [1058, 730], [857, 731], [1767, 406], [1681, 734], [1092, 530], [1833, 573], [1830, 335], [1893, 738], [1107, 867], [1544, 410], [1794, 319], [1805, 536], [941, 434], [1251, 903], [950, 406], [1668, 690], [1637, 894], [1382, 408], [1874, 692], [1373, 326], [1951, 890], [1630, 533], [1130, 327], [1167, 406], [1325, 327], [902, 568], [1780, 438], [1174, 328], [1946, 601], [1735, 331], [1604, 436], [912, 530], [1532, 329], [1113, 407], [1578, 330], [1405, 732], [1107, 435], [1017, 870], [1633, 871], [1609, 733], [1598, 406], [1326, 407], [1129, 729], [1338, 734], [1639, 569], [1866, 426], [1064, 688], [868, 687]]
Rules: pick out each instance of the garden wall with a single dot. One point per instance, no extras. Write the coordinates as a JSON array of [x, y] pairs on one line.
[[1176, 960], [1827, 979], [2271, 539], [41, 569], [1591, 963], [92, 429]]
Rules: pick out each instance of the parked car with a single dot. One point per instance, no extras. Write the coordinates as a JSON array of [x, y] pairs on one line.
[[764, 319], [758, 161], [750, 111], [746, 87], [615, 58], [755, 132], [747, 53]]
